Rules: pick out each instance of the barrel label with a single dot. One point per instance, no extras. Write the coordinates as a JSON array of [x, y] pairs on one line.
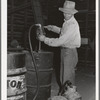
[[16, 84]]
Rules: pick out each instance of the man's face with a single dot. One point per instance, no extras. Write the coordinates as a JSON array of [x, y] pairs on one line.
[[67, 16]]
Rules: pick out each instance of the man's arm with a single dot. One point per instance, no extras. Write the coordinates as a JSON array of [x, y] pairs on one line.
[[65, 38], [53, 28]]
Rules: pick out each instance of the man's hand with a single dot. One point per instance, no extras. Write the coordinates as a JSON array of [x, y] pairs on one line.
[[49, 27], [41, 37], [53, 28]]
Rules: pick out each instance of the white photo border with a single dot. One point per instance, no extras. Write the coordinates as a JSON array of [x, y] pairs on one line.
[[3, 49]]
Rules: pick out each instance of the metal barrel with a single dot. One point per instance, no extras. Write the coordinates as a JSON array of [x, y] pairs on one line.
[[44, 62], [16, 76]]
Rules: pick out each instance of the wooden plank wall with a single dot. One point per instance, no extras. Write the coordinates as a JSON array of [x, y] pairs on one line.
[[86, 19], [20, 18]]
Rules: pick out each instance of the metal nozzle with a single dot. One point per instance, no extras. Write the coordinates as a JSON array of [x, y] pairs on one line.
[[38, 25]]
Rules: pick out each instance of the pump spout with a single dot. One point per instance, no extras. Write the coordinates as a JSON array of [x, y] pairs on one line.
[[39, 30]]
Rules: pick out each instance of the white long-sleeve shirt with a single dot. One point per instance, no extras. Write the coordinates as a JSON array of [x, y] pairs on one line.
[[69, 35]]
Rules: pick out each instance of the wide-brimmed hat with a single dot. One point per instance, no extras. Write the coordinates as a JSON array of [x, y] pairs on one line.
[[69, 7]]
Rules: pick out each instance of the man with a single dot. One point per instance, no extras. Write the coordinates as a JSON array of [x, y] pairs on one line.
[[68, 40]]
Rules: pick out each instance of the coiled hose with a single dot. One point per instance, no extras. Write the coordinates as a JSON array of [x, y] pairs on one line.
[[33, 59]]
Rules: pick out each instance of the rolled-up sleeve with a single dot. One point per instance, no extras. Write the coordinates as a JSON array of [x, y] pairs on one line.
[[67, 34], [56, 29]]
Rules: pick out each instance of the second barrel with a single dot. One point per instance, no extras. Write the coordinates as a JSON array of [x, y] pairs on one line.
[[44, 63]]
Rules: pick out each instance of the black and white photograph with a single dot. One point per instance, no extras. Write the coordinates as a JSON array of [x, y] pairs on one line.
[[49, 50]]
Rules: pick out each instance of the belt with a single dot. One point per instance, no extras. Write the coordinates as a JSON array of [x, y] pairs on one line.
[[67, 48]]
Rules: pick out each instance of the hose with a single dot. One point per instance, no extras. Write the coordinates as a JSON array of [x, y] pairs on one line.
[[34, 62]]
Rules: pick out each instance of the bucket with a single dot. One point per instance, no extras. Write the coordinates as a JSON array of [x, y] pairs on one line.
[[16, 78], [44, 62]]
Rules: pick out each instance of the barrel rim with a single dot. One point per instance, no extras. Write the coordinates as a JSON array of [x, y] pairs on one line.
[[18, 93], [15, 53], [17, 71], [39, 52], [40, 70]]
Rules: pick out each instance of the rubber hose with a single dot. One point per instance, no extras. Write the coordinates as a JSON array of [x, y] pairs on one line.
[[34, 62]]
